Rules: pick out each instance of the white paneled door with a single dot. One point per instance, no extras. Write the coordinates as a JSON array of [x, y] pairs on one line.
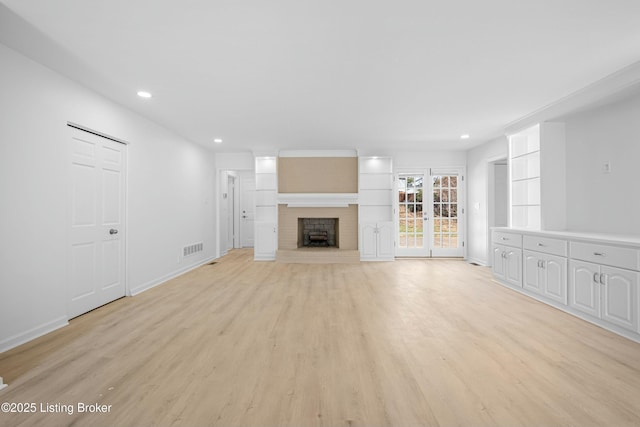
[[247, 216], [96, 271]]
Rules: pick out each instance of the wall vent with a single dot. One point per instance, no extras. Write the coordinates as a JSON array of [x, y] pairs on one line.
[[192, 249]]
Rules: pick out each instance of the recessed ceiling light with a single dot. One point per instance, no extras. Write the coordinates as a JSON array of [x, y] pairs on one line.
[[465, 136], [217, 141], [143, 94]]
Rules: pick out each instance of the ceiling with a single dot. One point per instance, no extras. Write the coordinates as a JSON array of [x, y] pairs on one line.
[[328, 74]]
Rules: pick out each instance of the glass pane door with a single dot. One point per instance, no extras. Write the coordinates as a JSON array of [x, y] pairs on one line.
[[430, 214], [412, 239], [446, 225]]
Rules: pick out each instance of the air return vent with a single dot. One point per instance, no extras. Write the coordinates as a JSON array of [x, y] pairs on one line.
[[192, 249]]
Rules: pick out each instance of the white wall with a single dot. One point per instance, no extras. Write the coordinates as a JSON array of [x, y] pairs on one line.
[[478, 160], [428, 159], [596, 201], [170, 194]]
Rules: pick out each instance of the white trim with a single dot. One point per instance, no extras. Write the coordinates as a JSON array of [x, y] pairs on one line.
[[318, 200], [97, 133], [617, 85], [33, 333], [155, 282], [2, 385], [318, 153]]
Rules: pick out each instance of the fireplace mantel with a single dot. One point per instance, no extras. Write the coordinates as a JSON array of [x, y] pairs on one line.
[[318, 200]]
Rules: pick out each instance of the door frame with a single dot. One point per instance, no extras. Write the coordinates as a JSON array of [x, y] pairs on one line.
[[428, 204], [221, 197], [71, 128], [491, 201], [241, 192]]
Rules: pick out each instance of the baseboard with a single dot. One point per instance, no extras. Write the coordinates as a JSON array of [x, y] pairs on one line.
[[31, 334], [2, 384], [155, 282]]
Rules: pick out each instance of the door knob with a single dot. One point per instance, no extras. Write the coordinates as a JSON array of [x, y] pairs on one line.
[[113, 231]]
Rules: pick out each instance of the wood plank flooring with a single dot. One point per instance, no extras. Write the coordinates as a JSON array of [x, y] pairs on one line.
[[407, 343]]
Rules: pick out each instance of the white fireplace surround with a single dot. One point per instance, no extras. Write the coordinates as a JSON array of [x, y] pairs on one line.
[[318, 200]]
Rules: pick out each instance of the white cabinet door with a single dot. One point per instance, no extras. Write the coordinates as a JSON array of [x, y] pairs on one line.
[[377, 241], [368, 241], [513, 267], [554, 278], [584, 287], [532, 275], [619, 293], [498, 263], [266, 241], [385, 249], [545, 275]]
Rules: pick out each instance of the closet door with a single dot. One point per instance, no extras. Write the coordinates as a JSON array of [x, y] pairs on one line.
[[96, 267]]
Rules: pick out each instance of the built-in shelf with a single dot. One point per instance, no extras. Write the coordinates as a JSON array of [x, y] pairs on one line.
[[524, 155]]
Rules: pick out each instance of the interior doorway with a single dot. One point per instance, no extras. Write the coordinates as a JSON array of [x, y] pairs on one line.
[[236, 210], [497, 197]]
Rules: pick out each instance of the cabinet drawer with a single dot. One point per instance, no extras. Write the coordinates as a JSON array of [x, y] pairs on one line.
[[605, 254], [509, 239], [546, 245]]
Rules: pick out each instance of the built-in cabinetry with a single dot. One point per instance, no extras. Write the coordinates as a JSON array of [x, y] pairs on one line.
[[507, 258], [266, 215], [537, 176], [545, 267], [375, 208], [376, 241], [603, 283], [595, 277]]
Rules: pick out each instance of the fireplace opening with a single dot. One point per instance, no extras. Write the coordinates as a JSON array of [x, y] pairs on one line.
[[318, 232]]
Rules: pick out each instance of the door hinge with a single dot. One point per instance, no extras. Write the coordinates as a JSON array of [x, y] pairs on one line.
[[463, 243]]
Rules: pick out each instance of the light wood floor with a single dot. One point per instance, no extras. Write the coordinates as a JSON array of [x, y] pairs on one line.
[[407, 343]]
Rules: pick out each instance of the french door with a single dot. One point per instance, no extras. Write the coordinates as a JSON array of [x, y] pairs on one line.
[[429, 213]]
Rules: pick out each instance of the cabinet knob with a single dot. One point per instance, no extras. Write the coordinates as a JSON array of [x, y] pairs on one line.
[[599, 254], [541, 245]]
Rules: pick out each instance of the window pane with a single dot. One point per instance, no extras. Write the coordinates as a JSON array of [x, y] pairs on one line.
[[436, 210], [445, 181], [453, 181], [445, 195], [454, 195], [454, 210]]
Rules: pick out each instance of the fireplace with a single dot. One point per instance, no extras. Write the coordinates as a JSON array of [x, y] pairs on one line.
[[318, 232]]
